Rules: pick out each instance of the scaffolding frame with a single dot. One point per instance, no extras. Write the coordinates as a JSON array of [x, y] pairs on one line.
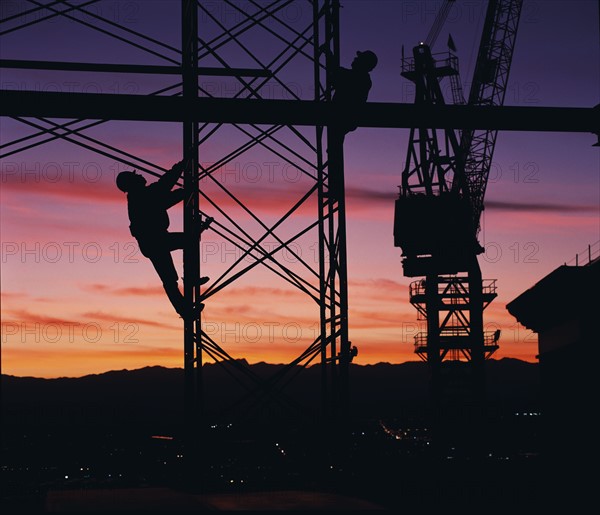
[[319, 44]]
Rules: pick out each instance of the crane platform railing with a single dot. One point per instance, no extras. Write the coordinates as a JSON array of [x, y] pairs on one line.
[[446, 63], [418, 288], [456, 338]]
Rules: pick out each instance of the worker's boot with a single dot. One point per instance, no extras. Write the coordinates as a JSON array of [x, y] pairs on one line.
[[189, 315], [201, 280], [202, 225]]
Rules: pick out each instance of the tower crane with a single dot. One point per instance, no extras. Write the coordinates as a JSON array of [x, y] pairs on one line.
[[438, 211]]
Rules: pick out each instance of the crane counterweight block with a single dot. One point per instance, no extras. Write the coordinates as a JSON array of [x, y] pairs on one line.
[[434, 231]]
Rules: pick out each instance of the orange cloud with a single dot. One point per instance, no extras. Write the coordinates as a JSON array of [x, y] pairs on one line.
[[253, 291], [76, 361], [64, 189], [108, 317], [22, 315], [534, 222], [129, 290], [8, 295]]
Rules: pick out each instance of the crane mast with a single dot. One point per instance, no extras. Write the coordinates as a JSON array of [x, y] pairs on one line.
[[437, 214]]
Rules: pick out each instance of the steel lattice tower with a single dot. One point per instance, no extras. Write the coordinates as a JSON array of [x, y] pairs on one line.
[[313, 49], [327, 287]]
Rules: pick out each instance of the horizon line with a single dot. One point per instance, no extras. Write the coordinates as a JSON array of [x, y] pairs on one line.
[[3, 374]]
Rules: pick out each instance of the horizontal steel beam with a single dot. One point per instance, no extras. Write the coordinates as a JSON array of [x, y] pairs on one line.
[[129, 68], [295, 112]]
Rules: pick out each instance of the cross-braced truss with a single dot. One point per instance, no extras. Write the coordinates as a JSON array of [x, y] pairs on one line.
[[258, 53]]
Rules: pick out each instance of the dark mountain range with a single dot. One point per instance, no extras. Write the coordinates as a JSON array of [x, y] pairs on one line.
[[124, 429], [156, 393]]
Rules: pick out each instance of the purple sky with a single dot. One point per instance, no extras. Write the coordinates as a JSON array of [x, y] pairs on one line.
[[60, 207]]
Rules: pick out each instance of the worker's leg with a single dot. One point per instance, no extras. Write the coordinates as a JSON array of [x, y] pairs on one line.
[[176, 240], [158, 251], [163, 264]]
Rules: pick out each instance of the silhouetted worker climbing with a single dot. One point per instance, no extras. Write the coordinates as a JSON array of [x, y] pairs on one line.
[[351, 89], [147, 207]]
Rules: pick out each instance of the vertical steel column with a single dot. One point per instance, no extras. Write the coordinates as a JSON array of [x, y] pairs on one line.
[[318, 89], [342, 262], [476, 330], [332, 242], [333, 151], [191, 252], [474, 431], [434, 358]]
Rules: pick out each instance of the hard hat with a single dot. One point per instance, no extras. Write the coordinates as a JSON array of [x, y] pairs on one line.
[[125, 180], [369, 58]]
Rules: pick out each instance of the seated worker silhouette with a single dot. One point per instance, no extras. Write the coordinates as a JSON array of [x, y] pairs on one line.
[[352, 86], [147, 207], [351, 89]]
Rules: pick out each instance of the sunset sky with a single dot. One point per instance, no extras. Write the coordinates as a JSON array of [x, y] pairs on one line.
[[78, 298]]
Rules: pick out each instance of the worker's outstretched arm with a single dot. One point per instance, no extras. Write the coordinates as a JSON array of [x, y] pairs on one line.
[[170, 177]]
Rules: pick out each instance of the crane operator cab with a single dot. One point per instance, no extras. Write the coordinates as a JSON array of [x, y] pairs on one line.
[[435, 233]]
